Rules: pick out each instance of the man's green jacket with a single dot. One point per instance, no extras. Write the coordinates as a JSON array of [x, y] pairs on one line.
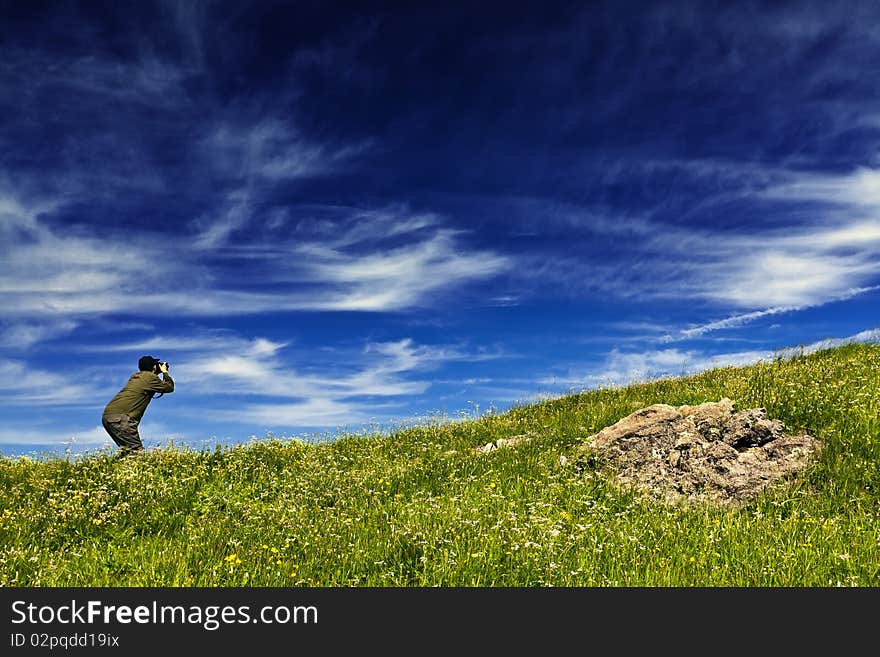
[[133, 399]]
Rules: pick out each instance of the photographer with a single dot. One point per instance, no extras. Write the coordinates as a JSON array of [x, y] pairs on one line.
[[124, 412]]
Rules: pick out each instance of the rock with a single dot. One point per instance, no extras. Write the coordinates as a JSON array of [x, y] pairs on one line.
[[501, 442], [707, 452], [751, 427]]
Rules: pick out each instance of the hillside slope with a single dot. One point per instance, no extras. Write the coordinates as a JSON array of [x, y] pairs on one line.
[[422, 508]]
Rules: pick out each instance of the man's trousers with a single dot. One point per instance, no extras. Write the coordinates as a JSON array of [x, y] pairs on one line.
[[124, 432]]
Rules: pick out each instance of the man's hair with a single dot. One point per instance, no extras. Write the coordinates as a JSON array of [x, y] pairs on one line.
[[146, 363]]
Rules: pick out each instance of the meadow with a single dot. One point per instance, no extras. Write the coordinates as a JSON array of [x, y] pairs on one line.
[[418, 508]]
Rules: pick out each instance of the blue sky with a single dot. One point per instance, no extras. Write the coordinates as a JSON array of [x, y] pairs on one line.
[[330, 216]]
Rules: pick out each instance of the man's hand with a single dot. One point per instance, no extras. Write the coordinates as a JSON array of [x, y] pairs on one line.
[[163, 367]]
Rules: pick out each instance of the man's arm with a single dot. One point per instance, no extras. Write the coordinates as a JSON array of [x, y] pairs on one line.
[[168, 383], [160, 385]]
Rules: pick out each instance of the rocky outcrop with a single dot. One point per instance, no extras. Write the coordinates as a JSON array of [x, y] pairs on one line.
[[707, 452]]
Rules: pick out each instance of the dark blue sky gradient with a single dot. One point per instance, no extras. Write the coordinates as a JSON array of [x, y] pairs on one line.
[[335, 215]]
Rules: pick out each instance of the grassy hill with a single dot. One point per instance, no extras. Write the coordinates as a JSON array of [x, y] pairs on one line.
[[419, 508]]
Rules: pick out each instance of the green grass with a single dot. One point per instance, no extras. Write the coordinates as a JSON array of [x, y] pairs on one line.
[[401, 510]]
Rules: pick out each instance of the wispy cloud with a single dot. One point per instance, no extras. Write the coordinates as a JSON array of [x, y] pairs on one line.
[[858, 189], [396, 278], [215, 230], [871, 336], [263, 375], [258, 370], [835, 254], [735, 321], [200, 341], [22, 335], [53, 273], [819, 242], [92, 436], [145, 80], [626, 367], [254, 158], [271, 150], [21, 383], [313, 412], [621, 367]]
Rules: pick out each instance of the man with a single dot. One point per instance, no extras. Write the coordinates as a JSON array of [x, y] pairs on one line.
[[124, 412]]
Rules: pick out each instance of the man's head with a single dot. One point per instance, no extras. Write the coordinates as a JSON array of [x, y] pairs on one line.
[[148, 363]]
